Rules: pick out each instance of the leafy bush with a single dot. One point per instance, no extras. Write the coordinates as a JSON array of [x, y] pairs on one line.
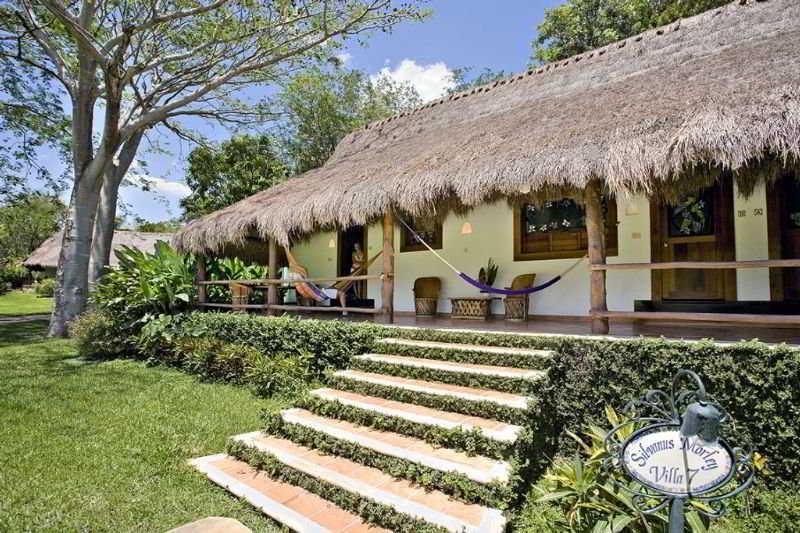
[[145, 284], [763, 510], [101, 334], [231, 269], [756, 383], [45, 288], [15, 275], [279, 374]]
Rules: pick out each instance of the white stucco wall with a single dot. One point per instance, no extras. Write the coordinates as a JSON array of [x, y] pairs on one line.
[[492, 236]]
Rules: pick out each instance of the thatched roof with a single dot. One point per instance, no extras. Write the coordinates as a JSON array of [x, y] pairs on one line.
[[46, 255], [719, 89]]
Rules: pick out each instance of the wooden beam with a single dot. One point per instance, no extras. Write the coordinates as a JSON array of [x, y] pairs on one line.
[[775, 320], [702, 265], [595, 233], [267, 282], [387, 288], [202, 274], [272, 291], [301, 308]]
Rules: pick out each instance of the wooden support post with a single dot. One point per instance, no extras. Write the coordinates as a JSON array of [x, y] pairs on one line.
[[387, 290], [272, 291], [596, 236], [202, 290]]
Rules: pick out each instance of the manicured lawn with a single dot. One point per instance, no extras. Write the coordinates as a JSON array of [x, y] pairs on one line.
[[102, 446], [24, 303]]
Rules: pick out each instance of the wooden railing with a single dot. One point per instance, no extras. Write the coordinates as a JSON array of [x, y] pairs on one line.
[[744, 318]]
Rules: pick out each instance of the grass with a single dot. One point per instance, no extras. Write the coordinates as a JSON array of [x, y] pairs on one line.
[[102, 446], [16, 303]]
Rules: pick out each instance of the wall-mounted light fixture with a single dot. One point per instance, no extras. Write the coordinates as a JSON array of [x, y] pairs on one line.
[[466, 229], [332, 243]]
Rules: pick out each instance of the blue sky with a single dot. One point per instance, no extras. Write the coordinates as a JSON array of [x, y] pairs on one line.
[[461, 33]]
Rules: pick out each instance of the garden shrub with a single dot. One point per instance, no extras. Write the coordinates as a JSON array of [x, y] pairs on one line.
[[756, 383], [45, 288], [14, 275], [101, 334]]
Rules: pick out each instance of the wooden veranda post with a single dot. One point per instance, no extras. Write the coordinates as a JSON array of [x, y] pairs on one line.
[[387, 290], [596, 236], [272, 291], [202, 290]]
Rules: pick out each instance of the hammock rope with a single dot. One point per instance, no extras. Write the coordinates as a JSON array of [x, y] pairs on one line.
[[488, 288]]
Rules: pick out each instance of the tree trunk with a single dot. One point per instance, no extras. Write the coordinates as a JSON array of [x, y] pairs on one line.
[[73, 262], [104, 226], [387, 290]]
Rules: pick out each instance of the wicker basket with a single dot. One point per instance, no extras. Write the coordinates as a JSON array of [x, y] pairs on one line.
[[516, 307], [425, 306], [470, 308]]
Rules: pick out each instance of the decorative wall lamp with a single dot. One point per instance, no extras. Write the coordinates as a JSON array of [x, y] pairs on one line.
[[677, 459], [332, 243], [466, 229]]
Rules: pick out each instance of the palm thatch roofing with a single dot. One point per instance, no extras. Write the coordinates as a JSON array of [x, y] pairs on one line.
[[46, 255], [720, 90]]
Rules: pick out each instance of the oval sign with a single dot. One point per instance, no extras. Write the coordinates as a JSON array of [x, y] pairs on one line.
[[654, 456]]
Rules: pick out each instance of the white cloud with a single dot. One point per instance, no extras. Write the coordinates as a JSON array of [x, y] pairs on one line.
[[143, 180], [430, 81]]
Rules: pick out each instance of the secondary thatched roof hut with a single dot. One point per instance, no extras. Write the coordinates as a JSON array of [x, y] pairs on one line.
[[718, 90], [46, 255]]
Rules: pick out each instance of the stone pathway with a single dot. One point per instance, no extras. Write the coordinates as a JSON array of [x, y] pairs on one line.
[[420, 436]]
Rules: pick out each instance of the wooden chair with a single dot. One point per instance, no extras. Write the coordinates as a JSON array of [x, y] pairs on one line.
[[517, 306], [426, 296], [240, 295]]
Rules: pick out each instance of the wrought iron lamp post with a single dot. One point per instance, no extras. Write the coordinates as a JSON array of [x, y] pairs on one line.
[[672, 450]]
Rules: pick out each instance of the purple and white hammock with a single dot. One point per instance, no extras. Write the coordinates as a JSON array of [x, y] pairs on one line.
[[487, 288]]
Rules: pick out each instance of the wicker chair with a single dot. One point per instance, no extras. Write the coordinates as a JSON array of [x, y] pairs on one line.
[[426, 295], [517, 306], [240, 296]]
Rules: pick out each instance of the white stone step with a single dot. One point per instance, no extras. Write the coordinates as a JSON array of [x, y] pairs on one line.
[[493, 429], [476, 467], [495, 350], [432, 506], [440, 389], [294, 507], [453, 366]]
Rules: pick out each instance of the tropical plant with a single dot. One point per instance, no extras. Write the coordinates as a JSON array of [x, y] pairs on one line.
[[593, 499], [45, 288], [146, 284], [14, 275], [232, 268], [488, 274]]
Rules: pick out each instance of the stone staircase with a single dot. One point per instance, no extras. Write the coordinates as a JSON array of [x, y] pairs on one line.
[[418, 436]]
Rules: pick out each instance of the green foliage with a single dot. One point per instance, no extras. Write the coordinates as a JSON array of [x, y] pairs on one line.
[[324, 105], [236, 169], [763, 510], [488, 274], [228, 268], [162, 226], [14, 275], [146, 284], [102, 334], [278, 374], [475, 357], [45, 288], [372, 512], [25, 223], [493, 494], [464, 81], [756, 383], [581, 25]]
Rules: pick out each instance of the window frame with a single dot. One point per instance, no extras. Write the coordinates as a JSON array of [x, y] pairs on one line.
[[612, 223], [406, 238]]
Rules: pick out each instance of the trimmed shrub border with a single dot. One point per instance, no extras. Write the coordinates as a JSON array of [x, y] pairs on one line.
[[370, 511], [459, 486], [463, 356]]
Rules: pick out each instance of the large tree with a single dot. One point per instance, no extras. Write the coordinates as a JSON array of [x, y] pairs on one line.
[[221, 175], [581, 25], [127, 66], [322, 105]]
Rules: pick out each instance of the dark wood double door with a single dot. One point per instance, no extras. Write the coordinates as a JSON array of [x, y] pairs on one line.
[[699, 227], [783, 210]]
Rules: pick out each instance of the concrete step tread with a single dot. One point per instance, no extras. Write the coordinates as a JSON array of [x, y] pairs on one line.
[[404, 496], [453, 366], [441, 389], [476, 467], [493, 429], [292, 506], [498, 350]]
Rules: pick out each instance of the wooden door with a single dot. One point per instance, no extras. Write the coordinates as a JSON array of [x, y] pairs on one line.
[[697, 228], [783, 210]]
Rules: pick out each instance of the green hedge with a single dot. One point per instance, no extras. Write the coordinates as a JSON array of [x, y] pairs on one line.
[[759, 385]]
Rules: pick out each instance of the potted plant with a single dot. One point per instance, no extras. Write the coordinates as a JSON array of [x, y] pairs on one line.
[[488, 274]]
